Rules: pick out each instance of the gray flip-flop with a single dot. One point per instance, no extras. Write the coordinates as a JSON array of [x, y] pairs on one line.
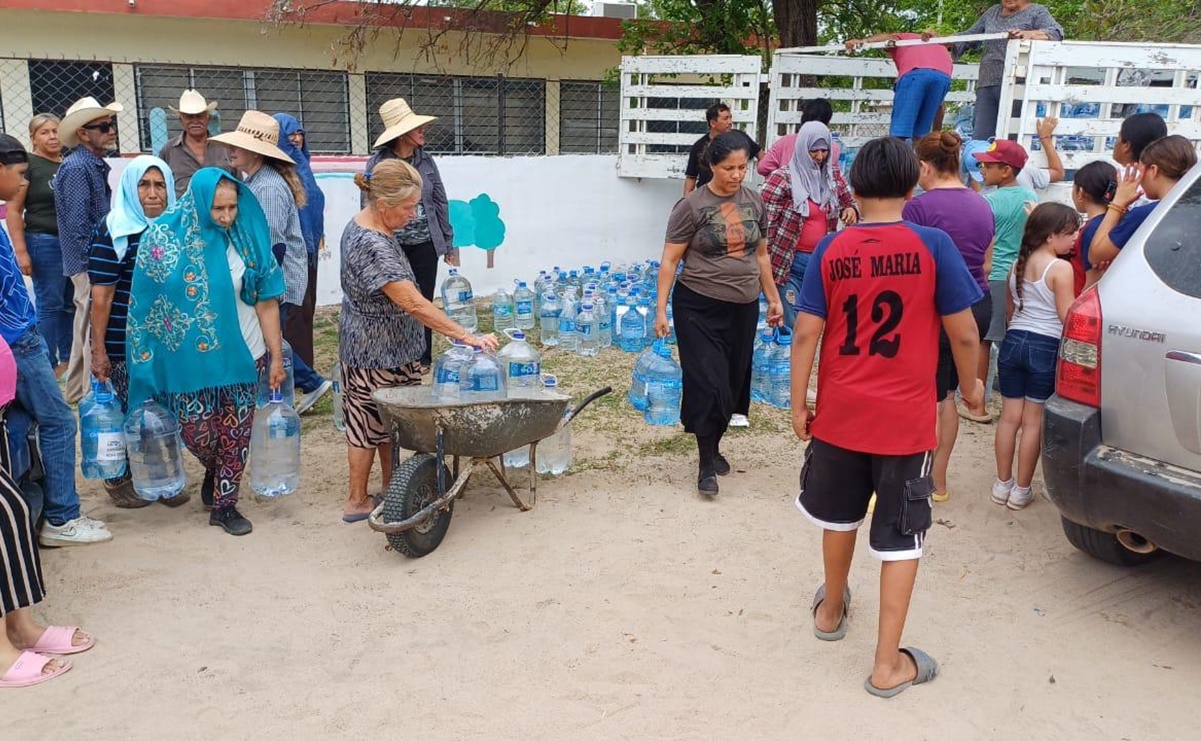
[[927, 670], [840, 632]]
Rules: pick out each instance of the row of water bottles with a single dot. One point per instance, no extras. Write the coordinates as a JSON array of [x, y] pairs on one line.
[[148, 445], [657, 385], [468, 374], [771, 367]]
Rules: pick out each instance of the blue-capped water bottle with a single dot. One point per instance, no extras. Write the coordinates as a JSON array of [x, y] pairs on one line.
[[760, 360], [154, 445], [481, 379], [548, 320], [664, 387], [780, 370], [102, 434], [632, 325], [503, 310], [521, 365], [587, 331], [275, 449], [523, 307], [567, 317], [446, 372]]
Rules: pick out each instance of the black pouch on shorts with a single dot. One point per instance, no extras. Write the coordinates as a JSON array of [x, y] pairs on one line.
[[917, 508]]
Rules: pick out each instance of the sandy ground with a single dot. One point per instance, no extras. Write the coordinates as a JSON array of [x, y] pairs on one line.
[[623, 606]]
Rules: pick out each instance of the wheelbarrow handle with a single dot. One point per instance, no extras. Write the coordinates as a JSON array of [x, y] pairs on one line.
[[587, 400]]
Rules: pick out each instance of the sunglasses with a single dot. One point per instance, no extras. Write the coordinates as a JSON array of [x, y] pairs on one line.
[[103, 128]]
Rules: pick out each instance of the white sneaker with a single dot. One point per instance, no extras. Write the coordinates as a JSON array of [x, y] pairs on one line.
[[92, 522], [1001, 491], [1020, 497], [308, 400], [80, 531], [739, 420]]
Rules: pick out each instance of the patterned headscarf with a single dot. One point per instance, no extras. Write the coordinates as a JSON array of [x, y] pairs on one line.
[[183, 333]]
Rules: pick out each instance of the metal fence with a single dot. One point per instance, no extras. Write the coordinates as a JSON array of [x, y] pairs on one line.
[[495, 115]]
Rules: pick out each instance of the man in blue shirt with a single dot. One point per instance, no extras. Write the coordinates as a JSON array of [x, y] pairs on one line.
[[81, 199], [38, 396]]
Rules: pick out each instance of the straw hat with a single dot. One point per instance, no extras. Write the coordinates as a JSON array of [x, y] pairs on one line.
[[81, 113], [193, 103], [399, 120], [257, 132]]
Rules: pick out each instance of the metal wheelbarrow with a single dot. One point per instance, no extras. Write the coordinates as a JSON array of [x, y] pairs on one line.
[[418, 505]]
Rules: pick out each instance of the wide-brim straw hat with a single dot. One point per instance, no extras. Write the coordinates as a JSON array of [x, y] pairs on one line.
[[399, 120], [81, 113], [193, 103], [257, 132]]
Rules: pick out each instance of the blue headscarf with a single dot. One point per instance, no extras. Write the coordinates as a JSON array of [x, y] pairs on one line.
[[127, 217], [312, 216], [183, 333]]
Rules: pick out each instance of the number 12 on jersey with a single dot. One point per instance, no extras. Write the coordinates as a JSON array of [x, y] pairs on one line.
[[886, 310]]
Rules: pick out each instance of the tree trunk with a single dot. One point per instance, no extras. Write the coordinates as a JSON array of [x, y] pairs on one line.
[[796, 20]]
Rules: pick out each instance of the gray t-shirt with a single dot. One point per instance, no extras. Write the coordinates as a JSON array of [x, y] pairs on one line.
[[1033, 17], [722, 234], [373, 331]]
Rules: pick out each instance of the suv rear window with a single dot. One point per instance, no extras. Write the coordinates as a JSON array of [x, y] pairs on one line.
[[1174, 249]]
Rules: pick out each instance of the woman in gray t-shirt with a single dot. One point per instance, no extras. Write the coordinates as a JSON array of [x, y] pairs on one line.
[[718, 231]]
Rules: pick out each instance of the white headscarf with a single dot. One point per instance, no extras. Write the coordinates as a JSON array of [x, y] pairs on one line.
[[809, 180], [127, 217]]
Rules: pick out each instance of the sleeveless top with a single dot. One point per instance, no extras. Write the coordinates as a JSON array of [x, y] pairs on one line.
[[1037, 313]]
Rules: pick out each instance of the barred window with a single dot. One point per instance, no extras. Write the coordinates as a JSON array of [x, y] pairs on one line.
[[54, 85], [318, 99], [476, 115], [588, 118]]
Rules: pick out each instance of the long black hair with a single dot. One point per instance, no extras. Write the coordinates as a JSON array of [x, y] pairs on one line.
[[1044, 222], [1098, 180]]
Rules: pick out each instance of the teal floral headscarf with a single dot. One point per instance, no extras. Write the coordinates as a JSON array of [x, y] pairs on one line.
[[183, 333]]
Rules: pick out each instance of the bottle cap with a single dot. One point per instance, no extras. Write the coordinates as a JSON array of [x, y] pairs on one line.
[[518, 335], [587, 306], [277, 395]]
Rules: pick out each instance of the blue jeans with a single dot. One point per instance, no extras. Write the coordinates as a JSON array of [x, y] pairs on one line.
[[916, 98], [39, 395], [790, 290], [1026, 364], [307, 379], [53, 295]]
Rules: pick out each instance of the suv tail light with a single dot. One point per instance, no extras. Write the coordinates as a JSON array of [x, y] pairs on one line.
[[1079, 372]]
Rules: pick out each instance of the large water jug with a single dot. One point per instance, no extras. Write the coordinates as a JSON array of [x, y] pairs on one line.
[[155, 451], [567, 328], [459, 301], [503, 310], [760, 373], [481, 379], [554, 453], [447, 370], [521, 364], [335, 379], [548, 319], [523, 307], [102, 434], [275, 449], [287, 388], [780, 370], [664, 387], [632, 326], [587, 331], [637, 393]]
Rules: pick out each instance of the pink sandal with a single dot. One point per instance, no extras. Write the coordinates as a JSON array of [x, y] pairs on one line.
[[60, 641], [27, 671]]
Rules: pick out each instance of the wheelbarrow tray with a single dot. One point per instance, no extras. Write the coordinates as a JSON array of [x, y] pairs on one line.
[[471, 429]]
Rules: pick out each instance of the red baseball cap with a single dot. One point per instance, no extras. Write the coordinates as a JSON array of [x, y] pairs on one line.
[[1004, 152]]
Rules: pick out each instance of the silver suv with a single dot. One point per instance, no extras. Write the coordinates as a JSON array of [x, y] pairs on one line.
[[1122, 441]]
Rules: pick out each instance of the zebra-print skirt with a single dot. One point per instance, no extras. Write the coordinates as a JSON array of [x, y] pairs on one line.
[[364, 427]]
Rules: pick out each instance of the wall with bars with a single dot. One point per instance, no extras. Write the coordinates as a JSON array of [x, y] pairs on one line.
[[551, 101]]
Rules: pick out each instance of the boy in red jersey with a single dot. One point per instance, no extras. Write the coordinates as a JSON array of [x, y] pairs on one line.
[[880, 292]]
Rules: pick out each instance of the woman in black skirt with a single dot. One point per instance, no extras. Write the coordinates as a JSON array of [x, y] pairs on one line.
[[718, 230]]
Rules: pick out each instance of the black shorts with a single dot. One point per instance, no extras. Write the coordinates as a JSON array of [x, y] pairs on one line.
[[836, 485], [947, 379]]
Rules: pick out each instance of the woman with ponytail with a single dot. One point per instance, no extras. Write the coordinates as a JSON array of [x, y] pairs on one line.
[[1092, 191]]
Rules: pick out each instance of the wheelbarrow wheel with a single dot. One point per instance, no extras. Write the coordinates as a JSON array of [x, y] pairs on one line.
[[414, 485]]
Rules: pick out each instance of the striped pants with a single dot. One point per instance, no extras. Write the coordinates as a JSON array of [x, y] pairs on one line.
[[21, 585]]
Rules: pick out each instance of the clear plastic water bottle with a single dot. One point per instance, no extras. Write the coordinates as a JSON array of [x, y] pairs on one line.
[[521, 365], [554, 453], [780, 370], [664, 387], [447, 368], [632, 326], [335, 378], [604, 319], [275, 449], [646, 306], [523, 307], [637, 393], [459, 301], [760, 373], [287, 388], [481, 379], [155, 450], [671, 323], [587, 331], [102, 434], [503, 310], [548, 319], [567, 328]]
